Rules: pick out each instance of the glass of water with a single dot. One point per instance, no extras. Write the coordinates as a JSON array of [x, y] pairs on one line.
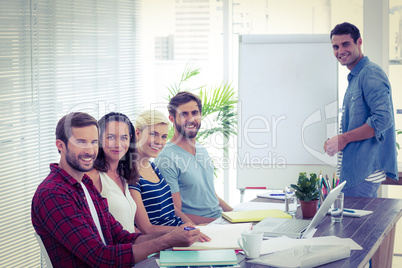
[[337, 208], [290, 201]]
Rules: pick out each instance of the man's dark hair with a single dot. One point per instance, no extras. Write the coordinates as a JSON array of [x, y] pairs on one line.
[[346, 28], [75, 119], [180, 98], [127, 167]]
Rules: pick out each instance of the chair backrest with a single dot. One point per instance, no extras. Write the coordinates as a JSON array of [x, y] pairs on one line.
[[43, 251]]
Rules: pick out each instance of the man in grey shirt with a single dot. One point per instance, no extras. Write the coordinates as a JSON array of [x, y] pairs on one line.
[[186, 165]]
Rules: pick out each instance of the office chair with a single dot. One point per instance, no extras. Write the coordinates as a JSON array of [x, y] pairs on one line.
[[43, 250]]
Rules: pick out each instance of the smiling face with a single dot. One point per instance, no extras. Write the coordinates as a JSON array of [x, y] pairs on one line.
[[115, 141], [151, 140], [346, 51], [81, 149], [188, 120]]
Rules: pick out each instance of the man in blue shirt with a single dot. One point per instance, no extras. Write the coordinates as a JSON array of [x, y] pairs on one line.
[[186, 165], [366, 144]]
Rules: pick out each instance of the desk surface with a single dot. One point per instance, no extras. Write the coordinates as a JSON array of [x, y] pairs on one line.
[[369, 232], [392, 182]]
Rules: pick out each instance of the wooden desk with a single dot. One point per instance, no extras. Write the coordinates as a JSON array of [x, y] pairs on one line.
[[375, 233], [389, 181]]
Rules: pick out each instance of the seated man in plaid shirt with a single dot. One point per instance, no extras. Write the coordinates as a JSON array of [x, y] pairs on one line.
[[72, 218]]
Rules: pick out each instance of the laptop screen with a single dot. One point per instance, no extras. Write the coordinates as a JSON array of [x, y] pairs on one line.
[[325, 206]]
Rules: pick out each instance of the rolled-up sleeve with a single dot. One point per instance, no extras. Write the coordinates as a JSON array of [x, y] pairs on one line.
[[377, 93]]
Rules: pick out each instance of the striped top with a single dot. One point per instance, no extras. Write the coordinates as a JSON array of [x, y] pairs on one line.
[[157, 199], [375, 177]]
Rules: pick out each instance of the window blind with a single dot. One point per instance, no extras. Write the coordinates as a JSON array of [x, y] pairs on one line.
[[55, 57]]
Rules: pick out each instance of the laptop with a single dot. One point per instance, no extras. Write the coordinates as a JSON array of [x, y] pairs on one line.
[[297, 228]]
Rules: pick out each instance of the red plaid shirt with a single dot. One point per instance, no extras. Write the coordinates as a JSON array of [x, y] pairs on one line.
[[61, 216]]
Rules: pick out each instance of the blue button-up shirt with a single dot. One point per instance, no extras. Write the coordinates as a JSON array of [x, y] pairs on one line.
[[368, 100]]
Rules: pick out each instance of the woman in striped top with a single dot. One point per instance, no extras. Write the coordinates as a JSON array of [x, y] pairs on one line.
[[155, 209]]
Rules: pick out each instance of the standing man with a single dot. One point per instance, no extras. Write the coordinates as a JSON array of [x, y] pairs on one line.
[[366, 144], [72, 218], [186, 165]]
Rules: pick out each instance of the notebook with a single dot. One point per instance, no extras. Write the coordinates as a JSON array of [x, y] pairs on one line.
[[254, 215], [297, 228], [198, 258]]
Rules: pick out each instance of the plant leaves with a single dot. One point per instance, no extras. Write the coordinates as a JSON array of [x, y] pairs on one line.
[[307, 188]]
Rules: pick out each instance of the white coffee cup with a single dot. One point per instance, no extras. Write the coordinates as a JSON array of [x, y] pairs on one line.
[[250, 242]]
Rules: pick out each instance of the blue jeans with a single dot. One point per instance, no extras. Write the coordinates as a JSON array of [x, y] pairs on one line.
[[364, 189]]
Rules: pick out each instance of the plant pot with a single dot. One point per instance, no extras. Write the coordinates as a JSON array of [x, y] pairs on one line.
[[309, 208]]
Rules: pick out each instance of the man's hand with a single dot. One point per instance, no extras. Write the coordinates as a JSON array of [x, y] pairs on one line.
[[203, 237], [337, 143], [334, 145], [179, 237]]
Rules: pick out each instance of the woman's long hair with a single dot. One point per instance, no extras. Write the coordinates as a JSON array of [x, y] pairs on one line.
[[127, 167]]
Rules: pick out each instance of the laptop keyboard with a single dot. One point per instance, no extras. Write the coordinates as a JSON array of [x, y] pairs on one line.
[[294, 226]]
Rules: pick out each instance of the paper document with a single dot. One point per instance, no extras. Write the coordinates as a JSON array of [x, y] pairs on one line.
[[222, 236], [283, 243], [357, 213], [273, 194], [304, 256]]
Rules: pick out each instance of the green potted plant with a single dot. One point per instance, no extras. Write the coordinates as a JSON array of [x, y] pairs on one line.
[[308, 194]]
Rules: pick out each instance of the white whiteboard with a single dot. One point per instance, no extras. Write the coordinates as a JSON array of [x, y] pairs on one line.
[[288, 107]]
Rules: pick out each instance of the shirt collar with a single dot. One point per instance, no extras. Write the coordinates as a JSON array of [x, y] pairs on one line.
[[359, 66], [67, 177]]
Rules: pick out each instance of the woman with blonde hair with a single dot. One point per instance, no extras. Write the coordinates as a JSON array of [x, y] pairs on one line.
[[155, 209]]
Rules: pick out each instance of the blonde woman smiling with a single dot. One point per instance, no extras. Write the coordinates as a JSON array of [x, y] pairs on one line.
[[155, 209]]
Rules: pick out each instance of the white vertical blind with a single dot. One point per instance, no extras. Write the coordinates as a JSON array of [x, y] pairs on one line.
[[55, 57]]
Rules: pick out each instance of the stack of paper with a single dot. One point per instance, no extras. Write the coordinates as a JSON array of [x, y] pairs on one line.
[[284, 243], [305, 256]]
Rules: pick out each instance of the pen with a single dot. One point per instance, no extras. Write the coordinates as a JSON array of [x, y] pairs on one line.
[[348, 210], [277, 194], [187, 228], [333, 181], [328, 184], [325, 184]]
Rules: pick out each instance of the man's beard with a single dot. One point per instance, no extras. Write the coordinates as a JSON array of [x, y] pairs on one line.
[[185, 134], [74, 161]]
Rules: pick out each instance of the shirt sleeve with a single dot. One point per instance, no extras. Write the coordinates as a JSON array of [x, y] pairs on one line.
[[169, 171], [377, 93], [70, 227], [136, 187]]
